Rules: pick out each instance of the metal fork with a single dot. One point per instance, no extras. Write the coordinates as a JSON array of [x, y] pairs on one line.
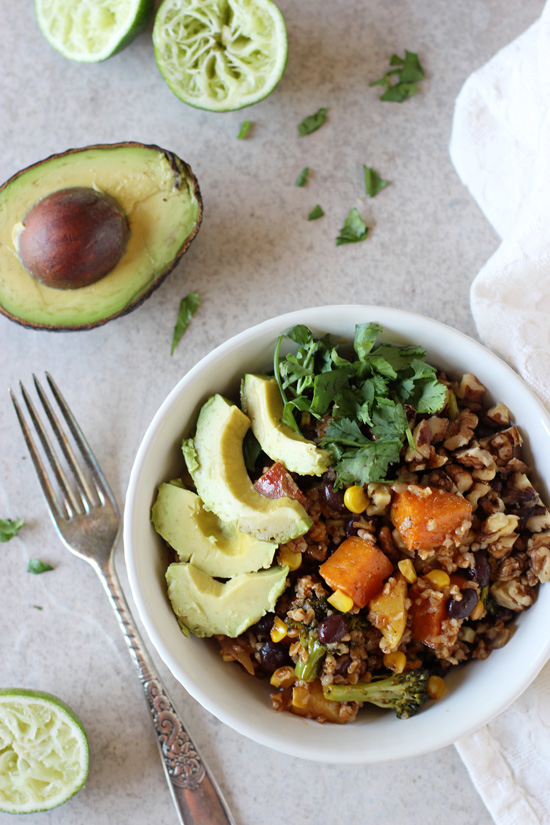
[[87, 520]]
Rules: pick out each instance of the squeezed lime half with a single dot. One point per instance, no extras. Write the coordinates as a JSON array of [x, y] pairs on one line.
[[91, 30], [220, 55], [44, 751]]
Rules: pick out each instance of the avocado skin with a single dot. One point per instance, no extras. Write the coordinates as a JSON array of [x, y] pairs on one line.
[[182, 173]]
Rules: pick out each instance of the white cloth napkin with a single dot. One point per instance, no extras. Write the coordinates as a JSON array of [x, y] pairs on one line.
[[500, 146]]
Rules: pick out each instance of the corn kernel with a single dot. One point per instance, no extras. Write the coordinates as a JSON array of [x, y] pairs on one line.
[[283, 677], [286, 556], [341, 601], [279, 630], [407, 570], [438, 578], [395, 661], [355, 499], [478, 611], [436, 687]]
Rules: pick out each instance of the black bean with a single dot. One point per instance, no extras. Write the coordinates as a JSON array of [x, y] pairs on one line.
[[334, 498], [460, 609], [273, 656], [481, 571], [264, 625], [332, 629], [342, 665]]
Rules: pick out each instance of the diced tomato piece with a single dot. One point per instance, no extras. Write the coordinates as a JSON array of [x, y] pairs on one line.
[[277, 483], [426, 517], [357, 568]]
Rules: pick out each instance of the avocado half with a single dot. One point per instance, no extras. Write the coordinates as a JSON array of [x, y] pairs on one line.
[[161, 199]]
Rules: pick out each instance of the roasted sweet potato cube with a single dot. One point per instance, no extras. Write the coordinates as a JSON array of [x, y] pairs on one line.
[[427, 615], [358, 568], [388, 613], [308, 700], [427, 517]]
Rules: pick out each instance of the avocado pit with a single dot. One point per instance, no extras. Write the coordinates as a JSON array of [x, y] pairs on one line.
[[73, 237]]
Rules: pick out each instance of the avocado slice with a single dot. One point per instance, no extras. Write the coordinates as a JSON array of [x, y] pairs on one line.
[[261, 401], [215, 460], [206, 606], [198, 536], [161, 199]]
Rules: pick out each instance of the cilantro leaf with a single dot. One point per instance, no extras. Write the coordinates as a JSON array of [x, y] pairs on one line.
[[188, 307], [301, 180], [369, 463], [9, 528], [244, 130], [36, 566], [353, 230], [408, 73], [312, 122], [315, 213], [365, 338], [373, 182]]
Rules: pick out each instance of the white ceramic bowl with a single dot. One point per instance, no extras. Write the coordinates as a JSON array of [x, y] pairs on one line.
[[477, 692]]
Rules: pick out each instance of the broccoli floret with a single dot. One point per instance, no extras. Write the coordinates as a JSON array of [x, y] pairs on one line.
[[404, 692], [308, 671]]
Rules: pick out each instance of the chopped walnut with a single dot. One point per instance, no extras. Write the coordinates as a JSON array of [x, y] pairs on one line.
[[439, 478], [504, 445], [495, 527], [470, 388], [380, 497], [499, 414], [513, 594], [461, 430], [476, 493], [540, 520], [476, 457], [503, 546], [538, 550], [491, 503], [510, 568], [461, 478]]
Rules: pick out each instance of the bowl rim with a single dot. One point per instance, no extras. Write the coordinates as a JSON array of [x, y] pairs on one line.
[[454, 729]]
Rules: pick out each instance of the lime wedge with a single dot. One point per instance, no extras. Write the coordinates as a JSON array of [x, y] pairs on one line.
[[43, 751], [220, 55], [91, 30]]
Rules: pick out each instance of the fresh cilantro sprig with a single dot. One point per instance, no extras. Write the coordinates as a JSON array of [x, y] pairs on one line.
[[37, 566], [354, 228], [408, 72], [9, 528], [187, 308], [312, 122], [365, 394], [374, 183], [316, 213], [301, 180]]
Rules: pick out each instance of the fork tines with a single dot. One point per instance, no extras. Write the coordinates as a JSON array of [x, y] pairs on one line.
[[91, 490]]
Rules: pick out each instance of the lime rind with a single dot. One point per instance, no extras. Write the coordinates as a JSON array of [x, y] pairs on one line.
[[89, 31], [44, 753], [220, 55]]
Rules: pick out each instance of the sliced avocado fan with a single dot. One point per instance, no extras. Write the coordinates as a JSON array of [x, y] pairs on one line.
[[215, 460], [261, 401], [207, 607], [198, 536]]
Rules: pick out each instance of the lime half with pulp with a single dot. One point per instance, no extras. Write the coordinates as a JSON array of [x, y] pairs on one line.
[[44, 751], [220, 55], [91, 30]]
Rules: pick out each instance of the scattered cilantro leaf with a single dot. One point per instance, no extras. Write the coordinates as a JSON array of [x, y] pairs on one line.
[[354, 228], [315, 213], [368, 395], [36, 566], [37, 607], [9, 528], [301, 180], [312, 122], [188, 307], [373, 182], [244, 130], [408, 73]]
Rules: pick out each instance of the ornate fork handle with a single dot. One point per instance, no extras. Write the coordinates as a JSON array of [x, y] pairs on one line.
[[196, 793]]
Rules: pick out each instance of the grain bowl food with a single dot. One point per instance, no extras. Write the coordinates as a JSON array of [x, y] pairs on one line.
[[476, 691], [396, 531]]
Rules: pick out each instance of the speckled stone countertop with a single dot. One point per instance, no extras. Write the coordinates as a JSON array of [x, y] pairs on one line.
[[256, 256]]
